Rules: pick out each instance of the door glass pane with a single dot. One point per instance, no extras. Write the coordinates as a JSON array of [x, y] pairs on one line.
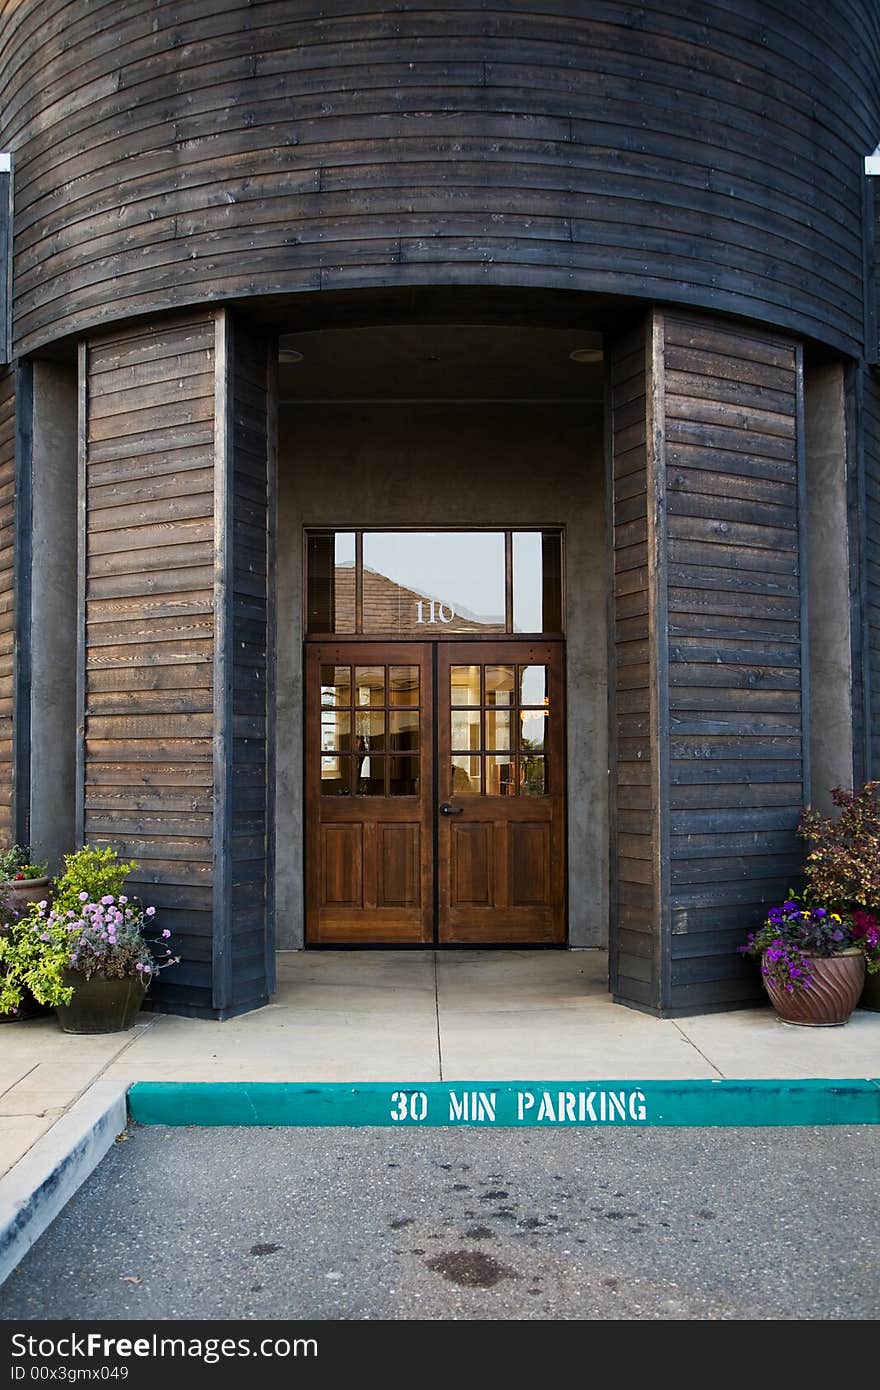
[[465, 685], [533, 776], [370, 732], [370, 775], [533, 685], [404, 776], [335, 685], [533, 724], [335, 776], [537, 581], [465, 728], [403, 685], [369, 685], [335, 731], [465, 776], [500, 780], [404, 729], [330, 591], [497, 728], [427, 582], [499, 685]]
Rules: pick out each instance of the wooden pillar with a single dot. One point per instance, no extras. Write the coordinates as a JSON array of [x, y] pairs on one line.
[[15, 518], [175, 764], [710, 711]]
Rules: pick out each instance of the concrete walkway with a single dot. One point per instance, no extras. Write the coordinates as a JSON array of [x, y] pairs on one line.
[[420, 1016]]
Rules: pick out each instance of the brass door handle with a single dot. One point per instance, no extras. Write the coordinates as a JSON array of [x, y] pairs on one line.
[[447, 810]]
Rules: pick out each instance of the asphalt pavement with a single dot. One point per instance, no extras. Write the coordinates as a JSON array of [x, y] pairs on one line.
[[465, 1223]]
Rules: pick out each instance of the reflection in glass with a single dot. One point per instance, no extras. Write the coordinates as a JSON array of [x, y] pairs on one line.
[[370, 775], [533, 685], [532, 776], [497, 729], [533, 724], [330, 589], [335, 685], [335, 776], [465, 685], [465, 776], [537, 581], [370, 732], [404, 730], [404, 776], [499, 685], [500, 780], [370, 685], [403, 685], [427, 582], [465, 728], [335, 731]]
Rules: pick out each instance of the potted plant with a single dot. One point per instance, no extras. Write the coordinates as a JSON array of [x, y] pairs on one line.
[[32, 964], [813, 962], [21, 881], [842, 867], [107, 960]]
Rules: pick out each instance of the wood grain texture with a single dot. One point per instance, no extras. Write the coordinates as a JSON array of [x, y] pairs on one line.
[[7, 602], [870, 578], [709, 714], [148, 705], [174, 155], [736, 713]]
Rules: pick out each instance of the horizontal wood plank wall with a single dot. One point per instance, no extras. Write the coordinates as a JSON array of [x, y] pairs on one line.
[[149, 636], [180, 154], [7, 601], [636, 935], [870, 395], [736, 684], [252, 761]]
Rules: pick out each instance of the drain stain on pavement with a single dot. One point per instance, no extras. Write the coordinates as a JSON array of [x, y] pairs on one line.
[[470, 1268]]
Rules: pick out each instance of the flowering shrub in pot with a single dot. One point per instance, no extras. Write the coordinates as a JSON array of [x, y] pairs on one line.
[[87, 953], [842, 867], [813, 961]]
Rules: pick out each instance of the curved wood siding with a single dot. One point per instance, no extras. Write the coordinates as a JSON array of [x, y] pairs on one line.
[[176, 154]]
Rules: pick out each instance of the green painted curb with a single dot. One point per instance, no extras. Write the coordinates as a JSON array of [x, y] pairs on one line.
[[520, 1104]]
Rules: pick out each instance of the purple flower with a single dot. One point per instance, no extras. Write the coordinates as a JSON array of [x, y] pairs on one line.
[[107, 900], [122, 898], [166, 933], [151, 912], [83, 897]]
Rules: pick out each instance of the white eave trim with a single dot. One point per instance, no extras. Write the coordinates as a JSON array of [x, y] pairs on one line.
[[872, 162], [5, 163]]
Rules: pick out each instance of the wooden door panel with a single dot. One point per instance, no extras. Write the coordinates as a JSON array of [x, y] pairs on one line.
[[470, 868], [369, 793], [501, 770], [529, 865], [342, 863]]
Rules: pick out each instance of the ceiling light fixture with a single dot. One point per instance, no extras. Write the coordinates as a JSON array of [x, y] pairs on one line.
[[587, 354]]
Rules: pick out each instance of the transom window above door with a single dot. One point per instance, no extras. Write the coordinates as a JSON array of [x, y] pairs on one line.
[[432, 583]]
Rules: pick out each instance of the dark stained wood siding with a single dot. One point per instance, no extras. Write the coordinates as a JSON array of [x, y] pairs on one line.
[[636, 944], [736, 686], [179, 154], [870, 414], [149, 635], [709, 686], [7, 601], [252, 653]]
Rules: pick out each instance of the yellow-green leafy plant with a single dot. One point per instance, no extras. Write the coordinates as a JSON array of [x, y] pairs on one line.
[[90, 874]]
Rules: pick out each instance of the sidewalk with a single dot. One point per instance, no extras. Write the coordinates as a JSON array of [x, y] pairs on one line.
[[420, 1016]]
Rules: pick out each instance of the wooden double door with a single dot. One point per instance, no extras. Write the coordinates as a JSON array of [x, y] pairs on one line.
[[435, 795]]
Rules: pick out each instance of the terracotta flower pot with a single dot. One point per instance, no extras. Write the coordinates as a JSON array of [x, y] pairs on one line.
[[19, 893], [101, 1005], [835, 985]]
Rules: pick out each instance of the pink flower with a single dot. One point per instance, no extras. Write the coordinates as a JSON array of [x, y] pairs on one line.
[[83, 897]]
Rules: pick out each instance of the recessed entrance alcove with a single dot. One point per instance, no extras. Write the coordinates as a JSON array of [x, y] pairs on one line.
[[452, 478]]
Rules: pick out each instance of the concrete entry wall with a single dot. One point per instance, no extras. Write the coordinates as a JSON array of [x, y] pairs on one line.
[[468, 464]]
